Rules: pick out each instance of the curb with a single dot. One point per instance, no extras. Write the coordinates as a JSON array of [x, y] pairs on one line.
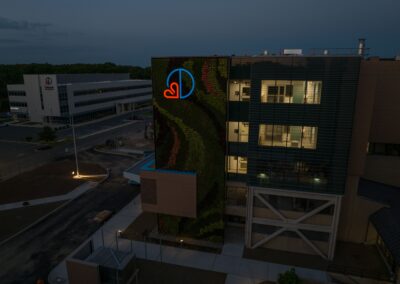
[[113, 153]]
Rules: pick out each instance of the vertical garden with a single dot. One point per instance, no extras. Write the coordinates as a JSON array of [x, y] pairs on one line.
[[190, 136]]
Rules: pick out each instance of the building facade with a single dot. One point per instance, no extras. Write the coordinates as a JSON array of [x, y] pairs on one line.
[[56, 98], [309, 158], [282, 132], [290, 121]]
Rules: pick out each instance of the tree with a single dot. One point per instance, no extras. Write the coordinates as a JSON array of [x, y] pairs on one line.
[[289, 277], [47, 134]]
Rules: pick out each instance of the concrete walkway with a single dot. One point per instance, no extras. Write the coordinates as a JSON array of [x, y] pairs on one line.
[[70, 195], [230, 261]]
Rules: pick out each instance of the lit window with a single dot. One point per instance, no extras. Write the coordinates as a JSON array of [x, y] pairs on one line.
[[238, 131], [288, 136], [239, 90], [291, 92], [236, 164]]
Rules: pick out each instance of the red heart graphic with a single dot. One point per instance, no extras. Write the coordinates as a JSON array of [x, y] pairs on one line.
[[172, 92]]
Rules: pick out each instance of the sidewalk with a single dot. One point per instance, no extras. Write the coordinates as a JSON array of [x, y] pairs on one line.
[[230, 261], [70, 195]]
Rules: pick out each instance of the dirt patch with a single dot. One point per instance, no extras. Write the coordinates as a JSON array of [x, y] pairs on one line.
[[49, 180], [156, 272], [12, 221]]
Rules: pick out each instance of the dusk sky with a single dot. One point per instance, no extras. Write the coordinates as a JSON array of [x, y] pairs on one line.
[[131, 32]]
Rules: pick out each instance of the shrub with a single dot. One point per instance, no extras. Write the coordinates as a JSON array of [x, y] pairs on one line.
[[289, 277], [47, 134]]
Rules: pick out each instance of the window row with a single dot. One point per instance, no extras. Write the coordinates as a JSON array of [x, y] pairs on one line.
[[384, 149], [291, 172], [289, 136], [238, 131], [110, 99], [236, 164], [291, 92], [278, 91], [17, 93], [280, 171], [239, 90], [111, 89], [18, 104]]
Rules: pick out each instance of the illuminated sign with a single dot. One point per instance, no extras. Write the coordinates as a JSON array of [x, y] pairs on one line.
[[175, 88], [48, 81]]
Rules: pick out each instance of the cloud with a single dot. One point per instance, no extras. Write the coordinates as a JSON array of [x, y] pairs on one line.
[[8, 24]]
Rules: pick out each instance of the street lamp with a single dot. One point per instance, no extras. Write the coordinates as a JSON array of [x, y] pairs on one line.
[[76, 152]]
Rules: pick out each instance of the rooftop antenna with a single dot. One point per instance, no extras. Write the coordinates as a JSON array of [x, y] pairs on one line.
[[361, 46]]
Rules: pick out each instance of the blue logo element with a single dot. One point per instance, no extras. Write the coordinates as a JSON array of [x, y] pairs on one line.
[[175, 89]]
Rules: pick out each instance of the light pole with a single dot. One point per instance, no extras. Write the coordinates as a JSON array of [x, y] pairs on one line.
[[76, 152]]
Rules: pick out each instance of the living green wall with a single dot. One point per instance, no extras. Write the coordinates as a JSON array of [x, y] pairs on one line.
[[190, 136]]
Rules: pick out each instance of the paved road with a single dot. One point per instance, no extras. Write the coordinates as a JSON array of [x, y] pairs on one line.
[[31, 159], [19, 133], [35, 252]]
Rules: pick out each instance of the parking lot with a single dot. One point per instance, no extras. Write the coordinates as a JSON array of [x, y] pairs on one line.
[[19, 133]]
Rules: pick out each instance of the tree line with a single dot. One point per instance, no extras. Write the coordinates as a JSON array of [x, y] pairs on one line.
[[13, 74]]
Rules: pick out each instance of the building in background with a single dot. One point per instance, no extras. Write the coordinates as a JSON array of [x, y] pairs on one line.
[[55, 98]]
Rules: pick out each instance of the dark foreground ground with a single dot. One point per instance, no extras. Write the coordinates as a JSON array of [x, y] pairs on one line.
[[14, 220], [35, 252], [49, 180], [153, 272]]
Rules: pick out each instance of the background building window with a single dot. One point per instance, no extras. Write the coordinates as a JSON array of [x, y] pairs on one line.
[[238, 131], [237, 164], [239, 90], [291, 92], [384, 149], [288, 136]]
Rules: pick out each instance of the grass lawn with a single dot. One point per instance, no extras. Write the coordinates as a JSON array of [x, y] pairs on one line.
[[49, 180], [12, 221]]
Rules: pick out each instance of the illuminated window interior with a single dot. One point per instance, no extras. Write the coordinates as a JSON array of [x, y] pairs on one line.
[[239, 90], [288, 136], [238, 131], [291, 92], [237, 164]]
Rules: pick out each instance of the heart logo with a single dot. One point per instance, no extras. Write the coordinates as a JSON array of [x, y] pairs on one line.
[[172, 92]]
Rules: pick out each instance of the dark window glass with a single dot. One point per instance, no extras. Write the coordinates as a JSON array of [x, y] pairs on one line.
[[111, 89]]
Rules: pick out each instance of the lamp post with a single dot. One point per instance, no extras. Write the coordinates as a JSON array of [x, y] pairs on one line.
[[76, 152]]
